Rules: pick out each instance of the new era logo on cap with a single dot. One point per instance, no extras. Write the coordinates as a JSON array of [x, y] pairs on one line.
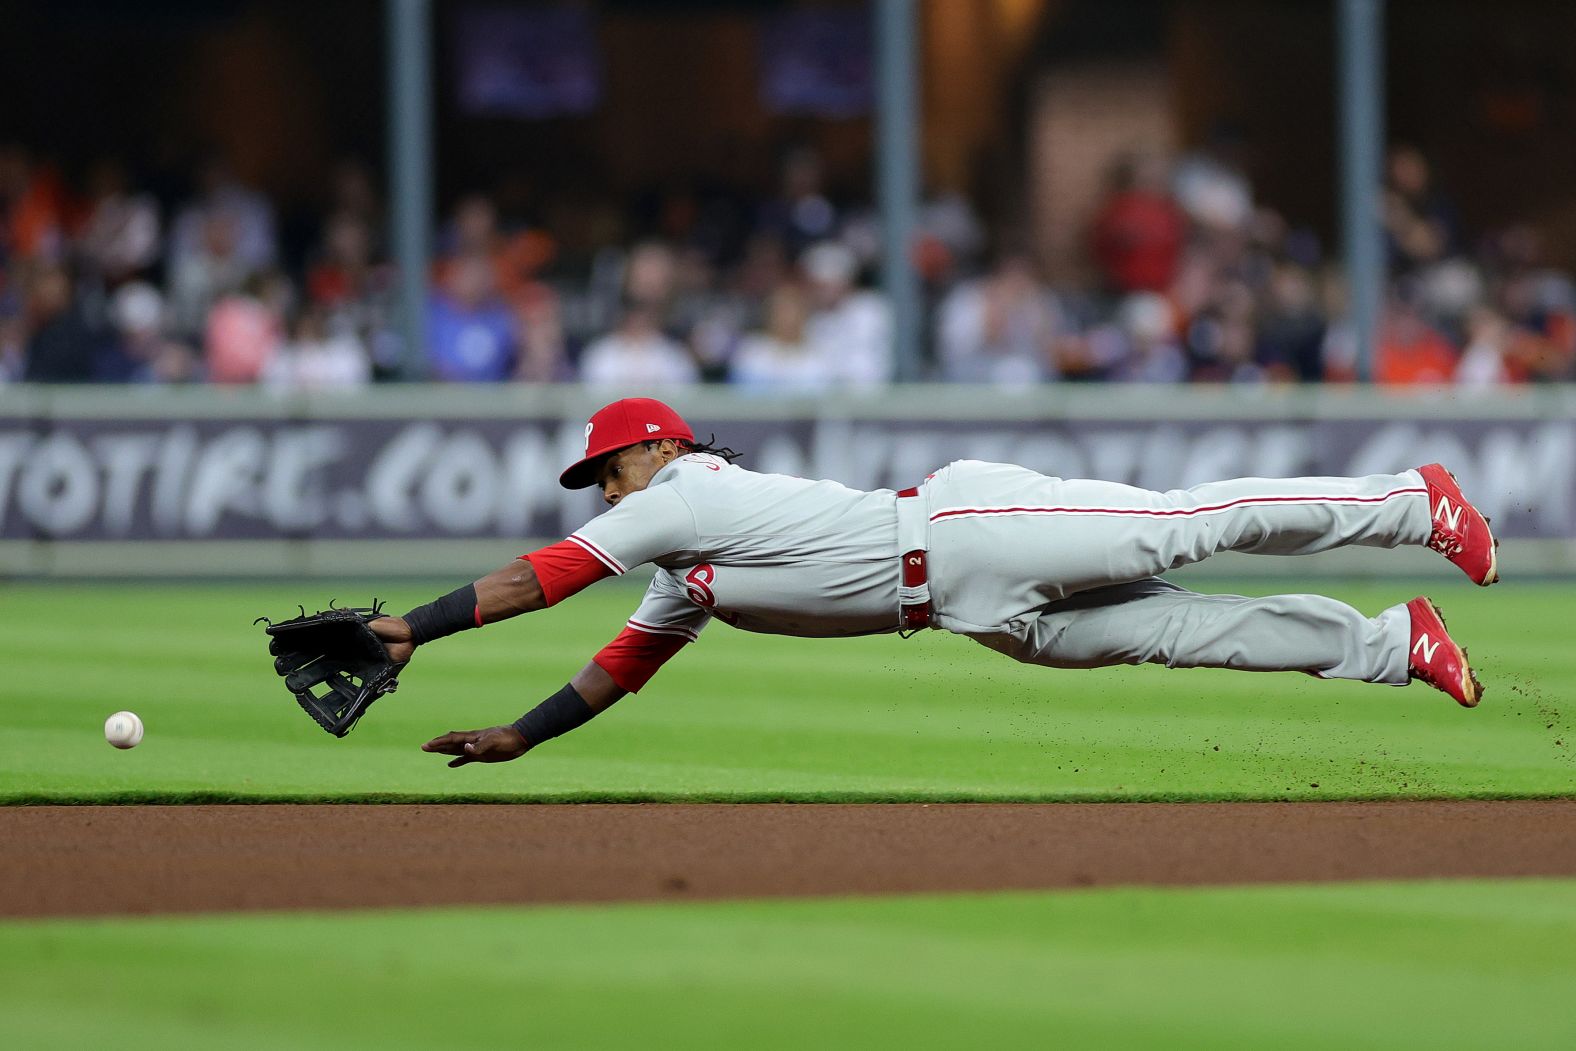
[[650, 427]]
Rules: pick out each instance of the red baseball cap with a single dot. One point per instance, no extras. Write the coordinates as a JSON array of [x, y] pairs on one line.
[[618, 426]]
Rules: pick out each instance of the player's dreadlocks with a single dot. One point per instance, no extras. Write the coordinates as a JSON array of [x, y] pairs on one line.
[[708, 446]]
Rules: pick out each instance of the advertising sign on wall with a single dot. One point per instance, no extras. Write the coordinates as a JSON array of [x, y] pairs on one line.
[[138, 478]]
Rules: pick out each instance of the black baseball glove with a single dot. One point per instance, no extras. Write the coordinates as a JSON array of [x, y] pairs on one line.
[[333, 649]]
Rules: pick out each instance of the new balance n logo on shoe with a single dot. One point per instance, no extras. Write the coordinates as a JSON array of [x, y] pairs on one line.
[[1459, 531], [1448, 514], [1447, 671]]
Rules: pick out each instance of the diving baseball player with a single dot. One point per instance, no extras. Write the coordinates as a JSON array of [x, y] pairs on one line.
[[1053, 571]]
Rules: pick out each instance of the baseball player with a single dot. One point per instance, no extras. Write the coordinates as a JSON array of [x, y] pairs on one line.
[[1060, 572]]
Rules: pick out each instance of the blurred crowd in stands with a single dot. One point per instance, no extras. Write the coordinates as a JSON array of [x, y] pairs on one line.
[[110, 277]]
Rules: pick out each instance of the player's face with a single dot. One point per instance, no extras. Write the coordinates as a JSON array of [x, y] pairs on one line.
[[630, 470]]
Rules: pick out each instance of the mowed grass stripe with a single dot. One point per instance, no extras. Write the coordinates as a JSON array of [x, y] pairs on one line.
[[750, 717], [1436, 965]]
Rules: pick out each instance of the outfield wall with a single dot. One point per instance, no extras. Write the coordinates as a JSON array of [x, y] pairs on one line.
[[452, 480]]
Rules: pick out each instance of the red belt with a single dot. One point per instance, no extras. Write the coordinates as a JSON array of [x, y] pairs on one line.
[[914, 595]]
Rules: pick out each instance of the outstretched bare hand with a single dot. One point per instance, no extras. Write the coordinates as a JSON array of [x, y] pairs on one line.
[[496, 744]]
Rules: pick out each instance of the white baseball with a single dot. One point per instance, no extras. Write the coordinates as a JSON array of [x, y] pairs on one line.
[[123, 730]]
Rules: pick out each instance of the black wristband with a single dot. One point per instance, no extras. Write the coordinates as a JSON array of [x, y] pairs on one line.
[[454, 612], [559, 714]]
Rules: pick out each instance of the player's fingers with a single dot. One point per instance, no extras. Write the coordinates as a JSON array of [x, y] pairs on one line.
[[451, 743], [461, 761]]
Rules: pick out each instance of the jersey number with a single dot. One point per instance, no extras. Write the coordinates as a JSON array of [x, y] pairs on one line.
[[698, 582]]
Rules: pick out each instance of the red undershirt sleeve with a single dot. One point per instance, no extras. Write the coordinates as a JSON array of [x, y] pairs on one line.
[[634, 656], [665, 621], [564, 568]]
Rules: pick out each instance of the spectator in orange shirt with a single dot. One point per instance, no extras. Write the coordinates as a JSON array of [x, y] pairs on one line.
[[33, 207], [1410, 352], [516, 258]]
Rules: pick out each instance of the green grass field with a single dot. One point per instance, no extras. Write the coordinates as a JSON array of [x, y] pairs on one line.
[[742, 717], [1425, 965], [1433, 965]]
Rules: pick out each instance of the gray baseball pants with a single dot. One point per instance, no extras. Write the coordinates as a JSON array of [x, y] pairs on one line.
[[1064, 572]]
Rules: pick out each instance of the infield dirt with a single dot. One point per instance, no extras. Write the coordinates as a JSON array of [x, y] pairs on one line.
[[93, 860]]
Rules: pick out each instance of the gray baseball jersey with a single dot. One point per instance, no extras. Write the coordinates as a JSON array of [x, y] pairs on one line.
[[763, 552], [1053, 571]]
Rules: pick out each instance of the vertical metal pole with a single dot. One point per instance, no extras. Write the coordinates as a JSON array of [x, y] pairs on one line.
[[410, 167], [897, 175], [1361, 78]]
